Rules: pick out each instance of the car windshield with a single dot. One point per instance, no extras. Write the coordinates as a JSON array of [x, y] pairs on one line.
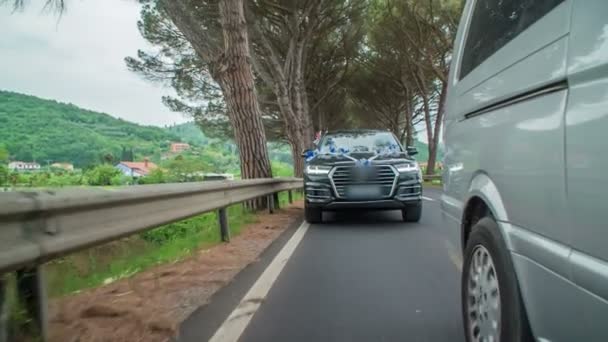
[[358, 142]]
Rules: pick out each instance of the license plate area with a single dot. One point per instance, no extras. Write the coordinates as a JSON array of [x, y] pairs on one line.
[[363, 192]]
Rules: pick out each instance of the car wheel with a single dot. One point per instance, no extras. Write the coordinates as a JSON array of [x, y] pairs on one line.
[[492, 308], [412, 213], [313, 215]]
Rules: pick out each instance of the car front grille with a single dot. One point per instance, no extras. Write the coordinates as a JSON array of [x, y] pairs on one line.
[[383, 176]]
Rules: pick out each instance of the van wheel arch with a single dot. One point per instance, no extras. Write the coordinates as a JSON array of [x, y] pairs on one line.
[[475, 210]]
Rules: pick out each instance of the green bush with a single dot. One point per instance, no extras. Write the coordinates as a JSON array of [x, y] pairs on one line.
[[121, 179], [64, 179], [181, 229], [280, 169], [101, 175], [3, 175], [156, 176]]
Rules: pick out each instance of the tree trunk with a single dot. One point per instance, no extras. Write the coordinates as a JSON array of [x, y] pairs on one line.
[[298, 145], [430, 168], [298, 161], [409, 128], [236, 79], [437, 129], [409, 112], [231, 69]]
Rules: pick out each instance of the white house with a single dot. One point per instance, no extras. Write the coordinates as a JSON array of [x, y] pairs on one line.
[[23, 166], [136, 169]]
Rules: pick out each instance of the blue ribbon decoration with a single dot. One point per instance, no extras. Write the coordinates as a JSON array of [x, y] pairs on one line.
[[310, 155], [363, 162], [343, 151]]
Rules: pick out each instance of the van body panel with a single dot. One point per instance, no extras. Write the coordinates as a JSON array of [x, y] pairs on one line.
[[525, 131], [586, 146], [534, 58], [558, 309]]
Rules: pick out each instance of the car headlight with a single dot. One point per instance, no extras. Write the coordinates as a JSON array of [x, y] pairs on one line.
[[407, 167], [317, 169]]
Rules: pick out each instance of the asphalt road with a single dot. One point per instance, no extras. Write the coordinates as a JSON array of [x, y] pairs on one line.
[[361, 276]]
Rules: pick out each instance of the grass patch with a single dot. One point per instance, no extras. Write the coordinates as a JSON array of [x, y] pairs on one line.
[[284, 197], [168, 243], [433, 184], [20, 325], [165, 244], [123, 258]]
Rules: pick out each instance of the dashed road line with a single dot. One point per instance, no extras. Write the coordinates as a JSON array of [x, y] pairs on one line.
[[428, 199]]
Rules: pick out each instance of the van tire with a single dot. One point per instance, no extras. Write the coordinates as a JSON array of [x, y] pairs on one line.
[[313, 215], [514, 324], [412, 213]]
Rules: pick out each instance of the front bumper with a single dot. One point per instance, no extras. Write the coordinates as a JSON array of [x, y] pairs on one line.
[[321, 194]]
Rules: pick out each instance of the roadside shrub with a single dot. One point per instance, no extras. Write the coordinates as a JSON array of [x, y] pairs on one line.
[[181, 229], [101, 175], [121, 179], [280, 169], [156, 176], [3, 175], [66, 179]]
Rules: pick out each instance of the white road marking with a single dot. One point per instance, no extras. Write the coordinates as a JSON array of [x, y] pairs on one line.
[[235, 324], [428, 199]]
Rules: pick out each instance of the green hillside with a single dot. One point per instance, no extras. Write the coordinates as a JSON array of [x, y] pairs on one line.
[[32, 128], [423, 151], [190, 133]]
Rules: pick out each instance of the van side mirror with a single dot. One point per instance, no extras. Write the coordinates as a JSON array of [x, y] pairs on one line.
[[411, 150]]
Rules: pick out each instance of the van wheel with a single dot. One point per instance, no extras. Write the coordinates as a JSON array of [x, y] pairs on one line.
[[492, 308], [412, 213], [313, 215]]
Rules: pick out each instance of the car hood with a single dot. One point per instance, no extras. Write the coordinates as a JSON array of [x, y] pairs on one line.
[[332, 159]]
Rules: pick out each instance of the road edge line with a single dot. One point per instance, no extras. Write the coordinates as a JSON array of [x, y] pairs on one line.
[[238, 320]]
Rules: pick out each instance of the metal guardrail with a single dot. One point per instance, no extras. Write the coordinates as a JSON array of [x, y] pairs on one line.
[[429, 178], [42, 225], [38, 226]]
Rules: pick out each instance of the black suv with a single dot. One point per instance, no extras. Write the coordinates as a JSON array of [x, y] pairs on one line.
[[361, 169]]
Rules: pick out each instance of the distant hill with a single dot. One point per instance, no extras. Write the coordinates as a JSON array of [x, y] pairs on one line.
[[35, 129], [190, 133], [32, 128]]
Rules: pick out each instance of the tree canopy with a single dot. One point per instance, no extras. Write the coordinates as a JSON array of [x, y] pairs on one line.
[[319, 64], [285, 69]]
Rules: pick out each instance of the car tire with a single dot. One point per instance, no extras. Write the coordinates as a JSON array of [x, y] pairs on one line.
[[412, 213], [512, 323], [313, 215]]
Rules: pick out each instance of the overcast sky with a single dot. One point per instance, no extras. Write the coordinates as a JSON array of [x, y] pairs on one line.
[[80, 59]]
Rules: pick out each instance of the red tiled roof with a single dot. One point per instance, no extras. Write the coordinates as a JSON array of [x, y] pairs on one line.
[[140, 166]]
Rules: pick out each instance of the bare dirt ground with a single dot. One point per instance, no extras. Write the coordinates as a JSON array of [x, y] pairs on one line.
[[150, 305]]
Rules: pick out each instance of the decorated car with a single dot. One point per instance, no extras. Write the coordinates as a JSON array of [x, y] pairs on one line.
[[361, 169]]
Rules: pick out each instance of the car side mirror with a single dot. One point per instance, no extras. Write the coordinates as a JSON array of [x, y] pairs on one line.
[[411, 150], [306, 153]]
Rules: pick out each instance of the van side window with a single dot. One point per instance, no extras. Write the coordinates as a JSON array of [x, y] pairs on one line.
[[497, 22]]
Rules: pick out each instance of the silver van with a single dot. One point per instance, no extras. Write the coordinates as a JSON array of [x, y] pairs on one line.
[[526, 148]]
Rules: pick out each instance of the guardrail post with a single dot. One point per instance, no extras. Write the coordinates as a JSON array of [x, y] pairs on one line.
[[290, 196], [271, 204], [31, 291], [3, 310], [224, 230]]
